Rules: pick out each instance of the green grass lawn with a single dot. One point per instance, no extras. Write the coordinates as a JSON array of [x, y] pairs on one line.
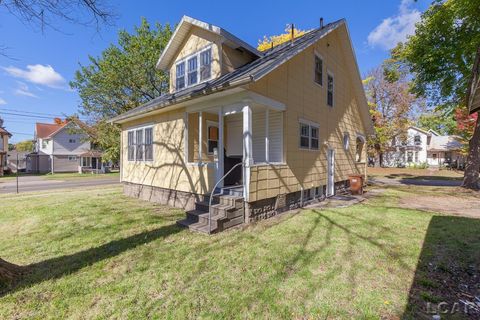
[[98, 254], [60, 176], [417, 174]]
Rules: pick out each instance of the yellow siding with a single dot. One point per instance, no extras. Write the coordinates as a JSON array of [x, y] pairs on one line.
[[197, 40], [233, 59], [293, 84], [168, 170]]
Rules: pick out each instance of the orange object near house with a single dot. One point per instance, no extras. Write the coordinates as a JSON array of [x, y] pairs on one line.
[[356, 184]]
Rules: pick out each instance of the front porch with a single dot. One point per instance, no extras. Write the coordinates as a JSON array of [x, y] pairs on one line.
[[230, 139]]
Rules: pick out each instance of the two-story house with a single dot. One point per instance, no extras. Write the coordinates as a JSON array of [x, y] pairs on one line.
[[4, 135], [424, 147], [62, 147], [268, 131]]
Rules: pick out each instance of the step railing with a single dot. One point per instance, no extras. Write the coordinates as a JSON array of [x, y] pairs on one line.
[[214, 195]]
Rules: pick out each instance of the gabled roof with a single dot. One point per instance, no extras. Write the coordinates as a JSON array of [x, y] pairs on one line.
[[46, 130], [3, 131], [182, 31], [473, 94], [250, 72], [420, 130], [444, 143]]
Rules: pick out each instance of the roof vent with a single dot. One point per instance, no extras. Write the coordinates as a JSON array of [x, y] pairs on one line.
[[321, 22], [292, 34]]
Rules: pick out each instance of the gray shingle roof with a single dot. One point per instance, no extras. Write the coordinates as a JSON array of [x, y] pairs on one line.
[[252, 71]]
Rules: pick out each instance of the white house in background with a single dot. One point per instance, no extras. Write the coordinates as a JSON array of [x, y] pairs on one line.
[[424, 147], [62, 148]]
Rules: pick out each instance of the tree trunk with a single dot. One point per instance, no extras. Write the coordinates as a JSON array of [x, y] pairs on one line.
[[9, 272], [470, 178]]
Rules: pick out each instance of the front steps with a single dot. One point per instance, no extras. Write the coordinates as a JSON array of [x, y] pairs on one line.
[[226, 213]]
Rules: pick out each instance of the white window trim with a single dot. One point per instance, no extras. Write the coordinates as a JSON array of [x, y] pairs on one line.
[[310, 124], [330, 73], [72, 158], [185, 60], [134, 129], [318, 55]]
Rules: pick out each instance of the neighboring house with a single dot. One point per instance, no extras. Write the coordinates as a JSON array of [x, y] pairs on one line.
[[420, 147], [62, 148], [4, 135], [289, 123]]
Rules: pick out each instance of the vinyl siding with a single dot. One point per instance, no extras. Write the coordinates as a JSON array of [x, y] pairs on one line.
[[293, 84], [62, 146], [61, 163]]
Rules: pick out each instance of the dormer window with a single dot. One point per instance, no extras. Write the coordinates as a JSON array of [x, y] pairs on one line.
[[194, 69], [180, 83], [205, 64]]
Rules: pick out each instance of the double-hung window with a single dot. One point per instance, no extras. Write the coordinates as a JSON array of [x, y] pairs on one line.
[[205, 64], [309, 136], [148, 144], [330, 90], [180, 74], [140, 144], [212, 137], [192, 70], [318, 70], [131, 145]]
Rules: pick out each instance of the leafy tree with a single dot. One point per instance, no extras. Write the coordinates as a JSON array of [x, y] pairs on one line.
[[26, 145], [267, 42], [121, 78], [440, 55], [391, 107], [443, 124]]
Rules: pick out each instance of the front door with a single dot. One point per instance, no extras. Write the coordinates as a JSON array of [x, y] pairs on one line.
[[94, 163], [331, 172]]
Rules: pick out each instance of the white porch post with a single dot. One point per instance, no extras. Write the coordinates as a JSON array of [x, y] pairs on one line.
[[247, 148], [200, 137], [185, 137], [220, 155], [267, 138]]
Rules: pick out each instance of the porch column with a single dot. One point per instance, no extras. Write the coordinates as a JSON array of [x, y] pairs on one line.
[[247, 148], [220, 155], [267, 138], [200, 137]]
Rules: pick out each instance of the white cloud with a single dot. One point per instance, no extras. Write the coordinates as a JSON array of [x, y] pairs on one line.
[[24, 90], [395, 29], [38, 74], [2, 101]]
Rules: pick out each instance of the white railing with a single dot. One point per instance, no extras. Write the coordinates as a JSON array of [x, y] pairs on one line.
[[213, 195]]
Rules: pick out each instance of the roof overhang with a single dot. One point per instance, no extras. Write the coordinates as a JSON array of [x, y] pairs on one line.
[[182, 32]]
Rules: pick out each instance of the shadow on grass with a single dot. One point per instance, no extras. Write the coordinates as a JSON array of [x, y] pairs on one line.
[[447, 277], [60, 266]]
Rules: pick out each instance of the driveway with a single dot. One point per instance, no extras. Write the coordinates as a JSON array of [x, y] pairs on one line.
[[39, 183], [426, 181]]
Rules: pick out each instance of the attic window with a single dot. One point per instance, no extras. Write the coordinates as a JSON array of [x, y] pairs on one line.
[[180, 83], [194, 69]]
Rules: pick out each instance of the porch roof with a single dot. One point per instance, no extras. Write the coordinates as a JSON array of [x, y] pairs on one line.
[[92, 154]]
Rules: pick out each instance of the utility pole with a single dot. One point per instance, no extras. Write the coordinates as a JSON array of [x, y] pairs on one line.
[[17, 171]]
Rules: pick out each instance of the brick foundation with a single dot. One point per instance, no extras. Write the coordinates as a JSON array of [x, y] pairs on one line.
[[173, 198]]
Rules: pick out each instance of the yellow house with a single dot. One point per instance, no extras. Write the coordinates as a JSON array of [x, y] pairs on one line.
[[4, 135], [265, 131]]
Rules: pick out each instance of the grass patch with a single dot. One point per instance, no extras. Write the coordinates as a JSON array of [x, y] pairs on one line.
[[98, 254]]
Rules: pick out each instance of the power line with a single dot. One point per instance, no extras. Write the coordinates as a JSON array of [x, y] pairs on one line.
[[22, 133], [31, 112]]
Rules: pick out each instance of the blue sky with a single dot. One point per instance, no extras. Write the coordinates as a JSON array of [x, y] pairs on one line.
[[36, 79]]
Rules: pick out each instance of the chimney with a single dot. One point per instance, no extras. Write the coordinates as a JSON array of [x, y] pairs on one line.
[[292, 35], [321, 22]]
